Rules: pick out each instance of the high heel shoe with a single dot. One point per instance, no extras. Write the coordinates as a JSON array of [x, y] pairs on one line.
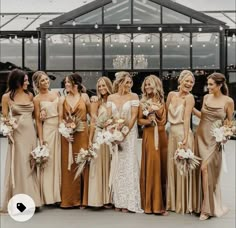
[[204, 217]]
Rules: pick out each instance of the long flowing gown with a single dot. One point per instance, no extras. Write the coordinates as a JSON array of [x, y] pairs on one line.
[[51, 174], [99, 171], [152, 196], [211, 156], [183, 191], [25, 141], [74, 192], [126, 187]]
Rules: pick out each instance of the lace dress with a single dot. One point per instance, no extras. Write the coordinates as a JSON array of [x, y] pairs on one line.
[[125, 186]]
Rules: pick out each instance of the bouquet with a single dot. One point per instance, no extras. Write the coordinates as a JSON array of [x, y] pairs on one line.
[[8, 124], [223, 132], [39, 157], [113, 133], [103, 121], [67, 128], [185, 160], [82, 158]]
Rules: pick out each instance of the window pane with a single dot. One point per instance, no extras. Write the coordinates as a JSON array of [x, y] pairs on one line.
[[118, 51], [172, 17], [118, 13], [88, 52], [92, 17], [176, 50], [196, 21], [59, 52], [57, 78], [231, 59], [206, 51], [146, 12], [31, 53], [146, 51], [11, 51]]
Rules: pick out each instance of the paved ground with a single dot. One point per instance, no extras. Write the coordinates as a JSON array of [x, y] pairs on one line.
[[90, 218]]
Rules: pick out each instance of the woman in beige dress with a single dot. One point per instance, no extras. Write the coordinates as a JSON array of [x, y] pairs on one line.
[[46, 116], [217, 105], [74, 191], [18, 176], [98, 195], [183, 191], [154, 147]]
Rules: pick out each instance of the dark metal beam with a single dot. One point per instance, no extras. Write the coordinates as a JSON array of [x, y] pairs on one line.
[[19, 34], [77, 12], [228, 17], [27, 26], [188, 12], [9, 21]]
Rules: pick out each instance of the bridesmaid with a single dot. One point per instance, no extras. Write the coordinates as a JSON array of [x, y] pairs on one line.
[[98, 195], [183, 191], [46, 116], [154, 148], [217, 105], [18, 177], [74, 192]]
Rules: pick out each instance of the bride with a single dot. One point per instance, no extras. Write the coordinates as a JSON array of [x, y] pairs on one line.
[[125, 181]]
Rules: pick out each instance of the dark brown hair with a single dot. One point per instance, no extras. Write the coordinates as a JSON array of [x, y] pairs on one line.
[[219, 79]]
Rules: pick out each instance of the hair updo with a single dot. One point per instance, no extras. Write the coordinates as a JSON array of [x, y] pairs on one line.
[[184, 74], [36, 79], [120, 78], [76, 79], [220, 80]]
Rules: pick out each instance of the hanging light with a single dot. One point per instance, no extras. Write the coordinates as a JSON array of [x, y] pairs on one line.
[[228, 44], [165, 46], [69, 43], [233, 35], [40, 41], [10, 38], [118, 27], [178, 46], [191, 45], [221, 28], [139, 46], [131, 40], [181, 29], [83, 43], [115, 39], [149, 40], [199, 29], [111, 45], [74, 23], [182, 38], [204, 45], [216, 45], [216, 36], [15, 37], [125, 45], [96, 26], [165, 39], [98, 44], [152, 46], [160, 29], [50, 22], [139, 28]]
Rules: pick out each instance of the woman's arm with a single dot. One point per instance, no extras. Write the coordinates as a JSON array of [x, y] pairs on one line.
[[229, 109], [39, 125], [5, 108], [168, 100], [60, 109], [87, 102], [189, 104], [134, 112], [197, 113], [94, 114]]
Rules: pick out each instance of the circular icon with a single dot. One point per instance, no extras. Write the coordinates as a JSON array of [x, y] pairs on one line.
[[21, 207]]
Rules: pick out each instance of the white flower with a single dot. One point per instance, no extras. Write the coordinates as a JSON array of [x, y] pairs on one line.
[[218, 133], [118, 136], [125, 130], [145, 112], [120, 121]]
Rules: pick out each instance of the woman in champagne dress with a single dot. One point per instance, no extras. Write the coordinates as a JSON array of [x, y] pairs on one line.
[[74, 191], [19, 179], [46, 116], [125, 178], [217, 106], [183, 191], [99, 172], [154, 146]]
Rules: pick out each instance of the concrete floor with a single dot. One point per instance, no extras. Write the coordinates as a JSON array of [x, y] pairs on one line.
[[59, 218]]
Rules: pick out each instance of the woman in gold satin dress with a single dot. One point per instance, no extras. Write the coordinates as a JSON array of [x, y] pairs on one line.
[[74, 192], [99, 171], [18, 177], [154, 149], [217, 105], [46, 116], [183, 191]]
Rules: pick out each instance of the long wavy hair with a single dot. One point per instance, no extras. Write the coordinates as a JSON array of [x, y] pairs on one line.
[[156, 84], [120, 80], [15, 81], [220, 80], [108, 84], [184, 74]]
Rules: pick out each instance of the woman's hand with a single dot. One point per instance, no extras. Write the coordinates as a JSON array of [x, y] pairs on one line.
[[70, 139], [184, 144], [151, 118], [94, 99], [43, 115]]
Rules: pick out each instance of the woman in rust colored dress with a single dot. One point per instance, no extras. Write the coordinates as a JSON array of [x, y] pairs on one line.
[[154, 147], [74, 192]]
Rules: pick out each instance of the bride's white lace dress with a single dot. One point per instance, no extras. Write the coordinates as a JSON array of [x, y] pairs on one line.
[[125, 185]]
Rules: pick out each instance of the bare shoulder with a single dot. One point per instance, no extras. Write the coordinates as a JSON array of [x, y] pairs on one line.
[[31, 96], [171, 94], [111, 97], [6, 96], [134, 96], [189, 98], [229, 100], [85, 96], [62, 99]]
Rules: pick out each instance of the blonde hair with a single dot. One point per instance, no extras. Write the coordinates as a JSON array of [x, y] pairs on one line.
[[108, 84], [156, 84], [120, 79], [184, 74], [36, 79]]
